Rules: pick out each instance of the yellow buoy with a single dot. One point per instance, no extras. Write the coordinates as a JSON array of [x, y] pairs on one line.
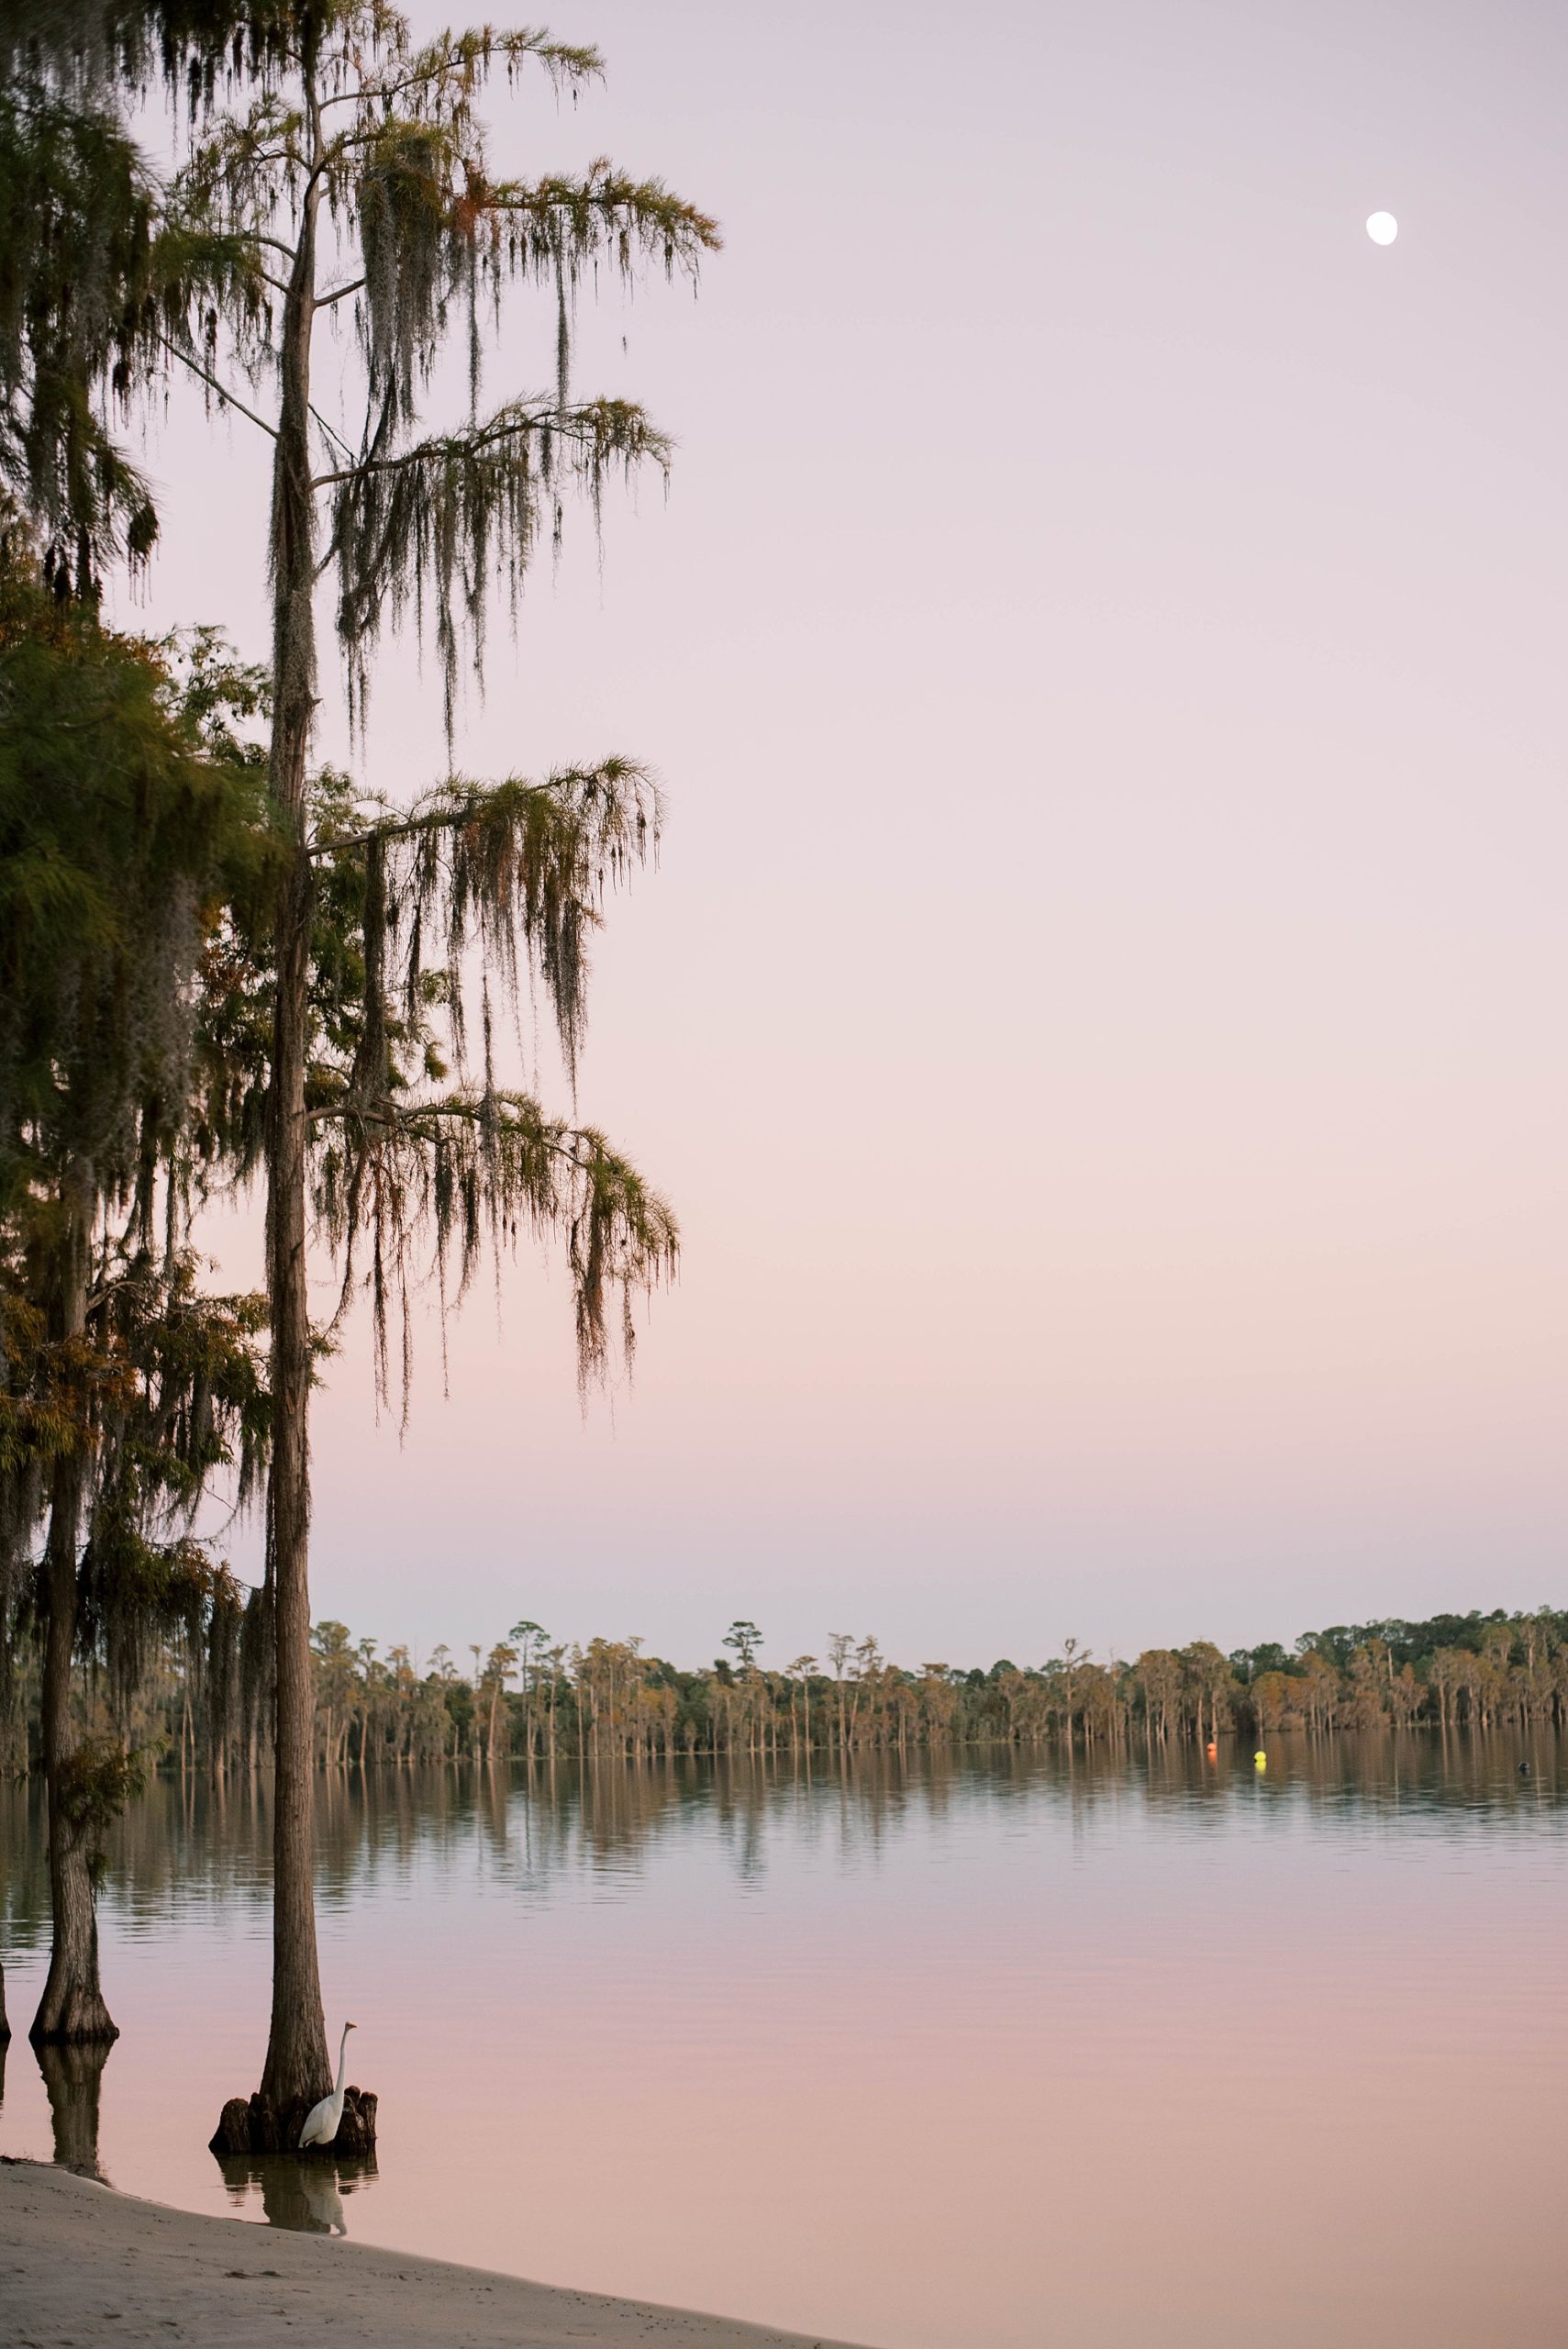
[[1259, 1761]]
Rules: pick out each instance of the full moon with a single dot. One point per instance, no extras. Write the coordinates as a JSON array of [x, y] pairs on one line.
[[1382, 228]]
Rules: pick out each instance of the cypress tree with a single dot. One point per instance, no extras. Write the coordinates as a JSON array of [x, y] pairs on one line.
[[121, 1389], [359, 178], [121, 800]]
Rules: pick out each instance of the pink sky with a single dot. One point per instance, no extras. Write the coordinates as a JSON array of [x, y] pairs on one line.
[[1099, 1012]]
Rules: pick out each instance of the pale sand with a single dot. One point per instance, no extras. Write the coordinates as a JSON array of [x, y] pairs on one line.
[[82, 2267]]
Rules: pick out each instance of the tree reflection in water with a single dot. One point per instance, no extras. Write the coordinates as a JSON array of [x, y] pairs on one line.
[[72, 2078], [305, 2196], [184, 1842]]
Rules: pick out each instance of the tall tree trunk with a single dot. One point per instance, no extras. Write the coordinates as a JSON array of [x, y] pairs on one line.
[[71, 2008], [296, 2065]]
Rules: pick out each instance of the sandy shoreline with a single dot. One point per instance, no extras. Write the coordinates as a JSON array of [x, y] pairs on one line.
[[80, 2265]]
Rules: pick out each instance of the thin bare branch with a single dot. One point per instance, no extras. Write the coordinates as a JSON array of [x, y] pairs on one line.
[[186, 360]]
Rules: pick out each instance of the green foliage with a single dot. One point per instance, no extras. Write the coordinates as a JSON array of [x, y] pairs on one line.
[[745, 1639], [75, 272], [162, 1391], [194, 43], [124, 822], [193, 1401], [1407, 1643], [131, 809], [95, 1785], [93, 274]]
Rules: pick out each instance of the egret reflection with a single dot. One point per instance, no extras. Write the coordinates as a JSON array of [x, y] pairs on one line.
[[306, 2196]]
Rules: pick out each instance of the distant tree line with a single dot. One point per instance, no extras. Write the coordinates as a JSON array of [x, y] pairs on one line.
[[200, 1702]]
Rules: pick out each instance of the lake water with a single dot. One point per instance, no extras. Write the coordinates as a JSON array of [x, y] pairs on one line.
[[989, 2052]]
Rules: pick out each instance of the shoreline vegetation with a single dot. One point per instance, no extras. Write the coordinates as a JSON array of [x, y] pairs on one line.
[[198, 1703]]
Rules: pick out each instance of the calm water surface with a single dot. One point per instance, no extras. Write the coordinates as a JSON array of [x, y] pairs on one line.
[[989, 2053]]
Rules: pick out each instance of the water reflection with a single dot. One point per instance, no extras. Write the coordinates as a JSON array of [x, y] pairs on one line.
[[305, 2196], [73, 2077], [968, 2047], [187, 1846]]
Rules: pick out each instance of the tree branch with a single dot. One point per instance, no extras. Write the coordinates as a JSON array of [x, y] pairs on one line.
[[557, 57], [647, 207], [221, 389], [457, 805], [614, 424]]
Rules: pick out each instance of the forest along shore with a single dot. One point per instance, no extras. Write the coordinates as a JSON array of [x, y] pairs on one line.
[[76, 2258], [198, 1699]]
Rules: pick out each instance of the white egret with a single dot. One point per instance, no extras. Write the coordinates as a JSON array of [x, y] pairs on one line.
[[321, 2123]]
